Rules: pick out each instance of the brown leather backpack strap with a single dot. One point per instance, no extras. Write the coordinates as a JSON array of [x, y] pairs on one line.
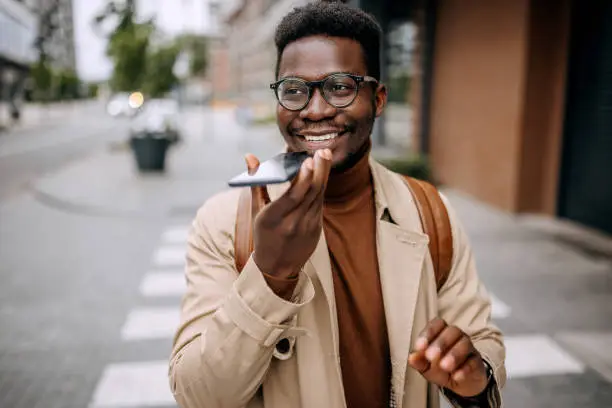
[[436, 224], [243, 235]]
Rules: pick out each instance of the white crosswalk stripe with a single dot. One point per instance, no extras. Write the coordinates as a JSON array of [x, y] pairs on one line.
[[500, 310], [160, 284], [169, 256], [536, 355], [134, 385], [150, 323], [175, 235]]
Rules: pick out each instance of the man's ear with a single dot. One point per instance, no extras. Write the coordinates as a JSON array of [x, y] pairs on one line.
[[380, 99]]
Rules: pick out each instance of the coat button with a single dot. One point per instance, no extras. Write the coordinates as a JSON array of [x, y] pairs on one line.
[[283, 346]]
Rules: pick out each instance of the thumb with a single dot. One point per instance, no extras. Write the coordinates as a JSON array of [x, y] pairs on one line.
[[259, 193]]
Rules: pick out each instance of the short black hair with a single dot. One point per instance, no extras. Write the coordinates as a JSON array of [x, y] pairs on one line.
[[333, 19]]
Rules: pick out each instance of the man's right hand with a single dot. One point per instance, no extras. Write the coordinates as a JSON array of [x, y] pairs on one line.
[[286, 231]]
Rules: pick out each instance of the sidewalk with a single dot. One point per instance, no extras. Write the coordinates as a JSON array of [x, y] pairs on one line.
[[36, 115], [551, 281], [212, 140]]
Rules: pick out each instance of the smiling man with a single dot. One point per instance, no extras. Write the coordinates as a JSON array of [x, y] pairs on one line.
[[338, 305]]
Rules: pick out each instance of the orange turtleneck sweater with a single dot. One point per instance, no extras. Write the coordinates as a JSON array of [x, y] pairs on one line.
[[350, 230]]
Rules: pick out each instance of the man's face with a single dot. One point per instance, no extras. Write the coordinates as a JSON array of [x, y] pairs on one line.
[[312, 59]]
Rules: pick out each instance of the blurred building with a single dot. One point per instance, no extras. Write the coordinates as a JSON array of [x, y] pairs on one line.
[[56, 22], [250, 27], [17, 33], [513, 102], [510, 99]]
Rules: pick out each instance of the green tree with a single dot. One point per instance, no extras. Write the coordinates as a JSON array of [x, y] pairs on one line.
[[42, 81], [128, 44], [196, 47], [159, 78], [68, 85]]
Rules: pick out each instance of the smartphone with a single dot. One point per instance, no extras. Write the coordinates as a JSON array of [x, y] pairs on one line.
[[279, 169]]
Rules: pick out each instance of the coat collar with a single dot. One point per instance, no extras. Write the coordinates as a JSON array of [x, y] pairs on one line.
[[401, 247]]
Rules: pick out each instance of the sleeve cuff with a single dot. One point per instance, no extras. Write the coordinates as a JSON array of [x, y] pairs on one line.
[[489, 398], [259, 312], [282, 287]]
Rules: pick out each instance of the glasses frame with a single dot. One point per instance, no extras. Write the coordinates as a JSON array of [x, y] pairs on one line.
[[359, 79]]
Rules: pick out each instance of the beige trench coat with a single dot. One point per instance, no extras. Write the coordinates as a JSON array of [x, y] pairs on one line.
[[224, 353]]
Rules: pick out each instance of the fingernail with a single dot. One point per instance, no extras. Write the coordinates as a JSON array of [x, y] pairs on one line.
[[432, 353], [309, 164], [328, 154], [447, 362], [421, 344]]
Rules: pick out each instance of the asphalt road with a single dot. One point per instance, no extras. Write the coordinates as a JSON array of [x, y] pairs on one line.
[[29, 153]]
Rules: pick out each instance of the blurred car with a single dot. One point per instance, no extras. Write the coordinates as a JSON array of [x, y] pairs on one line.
[[125, 104], [157, 118]]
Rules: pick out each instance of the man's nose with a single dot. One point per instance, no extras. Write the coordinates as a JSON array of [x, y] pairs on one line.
[[318, 108]]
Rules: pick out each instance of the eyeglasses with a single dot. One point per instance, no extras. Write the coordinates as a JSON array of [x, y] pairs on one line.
[[339, 90]]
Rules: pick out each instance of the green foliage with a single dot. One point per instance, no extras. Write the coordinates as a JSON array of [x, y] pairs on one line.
[[159, 77], [67, 85], [137, 65], [42, 80], [128, 49], [53, 85], [416, 166], [93, 90], [197, 48], [399, 86]]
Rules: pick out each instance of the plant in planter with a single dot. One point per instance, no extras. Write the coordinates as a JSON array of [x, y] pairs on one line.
[[153, 132]]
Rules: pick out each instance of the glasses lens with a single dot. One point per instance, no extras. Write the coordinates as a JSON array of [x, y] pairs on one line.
[[292, 94], [340, 90]]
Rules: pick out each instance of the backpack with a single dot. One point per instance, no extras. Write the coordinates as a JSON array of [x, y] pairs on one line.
[[432, 212]]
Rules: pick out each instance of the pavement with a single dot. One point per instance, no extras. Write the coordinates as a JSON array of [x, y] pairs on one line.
[[91, 263], [35, 149]]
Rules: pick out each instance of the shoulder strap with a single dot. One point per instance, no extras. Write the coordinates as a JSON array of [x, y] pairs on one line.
[[436, 224], [432, 212], [243, 238]]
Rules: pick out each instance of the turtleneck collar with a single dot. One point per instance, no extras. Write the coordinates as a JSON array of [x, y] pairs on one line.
[[351, 183]]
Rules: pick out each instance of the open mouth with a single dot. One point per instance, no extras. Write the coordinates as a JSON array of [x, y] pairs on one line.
[[321, 141]]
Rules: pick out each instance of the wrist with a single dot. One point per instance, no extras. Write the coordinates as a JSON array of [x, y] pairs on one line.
[[279, 272]]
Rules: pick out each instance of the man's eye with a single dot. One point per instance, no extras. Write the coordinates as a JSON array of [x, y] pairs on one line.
[[294, 91]]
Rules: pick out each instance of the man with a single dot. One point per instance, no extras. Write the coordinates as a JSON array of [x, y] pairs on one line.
[[337, 307]]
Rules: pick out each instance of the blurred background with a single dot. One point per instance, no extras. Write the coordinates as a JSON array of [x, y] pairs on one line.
[[118, 119]]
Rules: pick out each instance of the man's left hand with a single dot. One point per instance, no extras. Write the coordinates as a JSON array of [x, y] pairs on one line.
[[445, 356]]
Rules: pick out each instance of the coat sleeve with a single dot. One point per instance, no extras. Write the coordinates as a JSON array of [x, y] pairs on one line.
[[229, 323], [464, 302]]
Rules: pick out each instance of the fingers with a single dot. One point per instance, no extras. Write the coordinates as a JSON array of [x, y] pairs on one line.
[[460, 352], [433, 329], [259, 193], [445, 340], [309, 184], [294, 197], [419, 362], [472, 364], [446, 347], [322, 167]]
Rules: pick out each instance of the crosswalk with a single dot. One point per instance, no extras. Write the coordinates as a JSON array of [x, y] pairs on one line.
[[145, 383]]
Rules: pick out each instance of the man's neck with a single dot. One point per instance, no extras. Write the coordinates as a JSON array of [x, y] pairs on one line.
[[349, 181]]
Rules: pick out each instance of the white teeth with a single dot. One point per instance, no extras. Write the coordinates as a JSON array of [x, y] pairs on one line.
[[321, 138]]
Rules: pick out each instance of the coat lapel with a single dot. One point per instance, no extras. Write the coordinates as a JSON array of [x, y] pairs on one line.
[[401, 254]]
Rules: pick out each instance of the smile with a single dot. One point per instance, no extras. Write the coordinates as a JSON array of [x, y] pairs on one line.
[[321, 138]]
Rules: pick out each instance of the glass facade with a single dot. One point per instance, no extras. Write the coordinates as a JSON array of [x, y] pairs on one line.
[[17, 33]]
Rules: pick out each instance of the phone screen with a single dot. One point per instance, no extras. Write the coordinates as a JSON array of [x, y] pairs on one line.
[[279, 169]]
